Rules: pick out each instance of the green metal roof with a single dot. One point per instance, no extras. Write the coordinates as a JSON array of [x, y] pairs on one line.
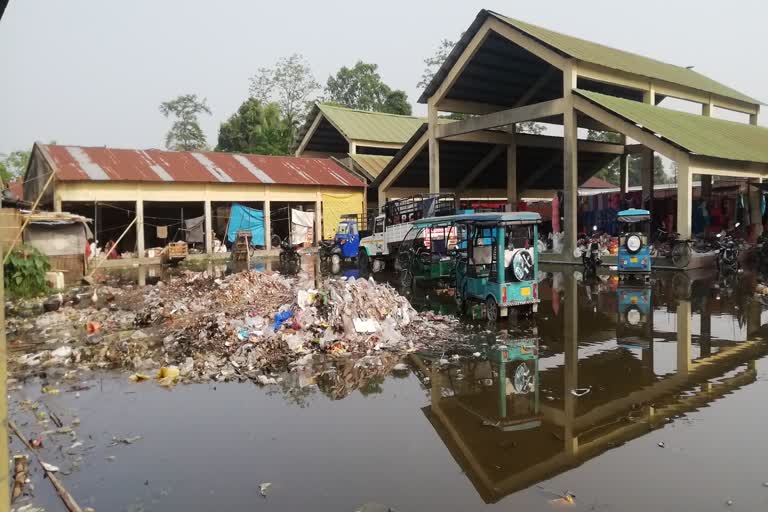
[[372, 165], [700, 135], [371, 126], [602, 55]]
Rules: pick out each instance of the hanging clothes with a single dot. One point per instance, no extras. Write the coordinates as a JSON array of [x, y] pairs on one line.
[[162, 232]]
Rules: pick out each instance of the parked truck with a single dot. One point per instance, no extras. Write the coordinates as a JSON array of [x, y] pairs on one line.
[[393, 223]]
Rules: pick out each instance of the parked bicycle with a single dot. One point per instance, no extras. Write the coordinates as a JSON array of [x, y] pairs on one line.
[[669, 245]]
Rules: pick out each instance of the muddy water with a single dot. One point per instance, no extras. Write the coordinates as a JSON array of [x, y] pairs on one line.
[[631, 399]]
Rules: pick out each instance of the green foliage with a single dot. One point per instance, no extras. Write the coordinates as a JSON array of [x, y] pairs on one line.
[[256, 128], [434, 62], [14, 165], [185, 134], [361, 87], [611, 172], [290, 84], [25, 272]]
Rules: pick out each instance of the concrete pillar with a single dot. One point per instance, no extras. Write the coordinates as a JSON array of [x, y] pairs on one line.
[[140, 228], [684, 337], [208, 227], [56, 203], [571, 349], [267, 224], [352, 148], [753, 119], [755, 210], [434, 150], [318, 218], [649, 96], [570, 185], [623, 178], [512, 176], [684, 200]]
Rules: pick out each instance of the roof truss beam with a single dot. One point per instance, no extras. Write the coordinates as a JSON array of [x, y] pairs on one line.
[[502, 118], [481, 166], [309, 134]]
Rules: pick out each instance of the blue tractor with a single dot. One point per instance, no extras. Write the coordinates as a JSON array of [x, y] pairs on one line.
[[346, 242]]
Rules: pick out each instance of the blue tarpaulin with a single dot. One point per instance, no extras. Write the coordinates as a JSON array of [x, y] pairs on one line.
[[243, 218]]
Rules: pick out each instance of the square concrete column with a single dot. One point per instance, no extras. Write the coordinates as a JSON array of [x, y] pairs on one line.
[[208, 227], [623, 177], [140, 228], [318, 219], [684, 364], [57, 203], [755, 210], [570, 174], [512, 176], [434, 150], [684, 200], [267, 224], [571, 354]]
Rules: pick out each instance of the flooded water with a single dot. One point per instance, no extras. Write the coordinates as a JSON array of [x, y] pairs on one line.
[[628, 398]]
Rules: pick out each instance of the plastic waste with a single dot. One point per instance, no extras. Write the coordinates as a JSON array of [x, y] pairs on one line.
[[280, 319], [167, 375], [263, 488], [138, 377], [50, 467], [92, 327]]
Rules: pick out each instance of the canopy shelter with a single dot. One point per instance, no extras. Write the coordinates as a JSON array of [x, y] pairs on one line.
[[504, 71]]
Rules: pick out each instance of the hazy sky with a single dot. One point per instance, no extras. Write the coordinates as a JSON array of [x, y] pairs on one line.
[[93, 72]]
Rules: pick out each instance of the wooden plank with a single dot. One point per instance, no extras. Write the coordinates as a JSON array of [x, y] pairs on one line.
[[502, 118], [467, 107]]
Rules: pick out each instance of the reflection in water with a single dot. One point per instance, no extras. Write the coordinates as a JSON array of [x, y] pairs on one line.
[[525, 412]]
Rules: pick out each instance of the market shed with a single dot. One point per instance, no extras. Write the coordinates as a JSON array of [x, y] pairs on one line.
[[163, 191], [504, 71]]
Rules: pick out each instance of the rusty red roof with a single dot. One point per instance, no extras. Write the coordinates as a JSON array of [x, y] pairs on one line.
[[78, 163]]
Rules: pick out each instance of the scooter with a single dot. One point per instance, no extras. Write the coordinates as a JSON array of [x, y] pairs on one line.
[[728, 252]]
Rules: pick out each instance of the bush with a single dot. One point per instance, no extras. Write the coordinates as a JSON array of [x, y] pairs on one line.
[[25, 272]]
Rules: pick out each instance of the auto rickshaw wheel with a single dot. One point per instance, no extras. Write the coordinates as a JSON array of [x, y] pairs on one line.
[[362, 261], [461, 300], [681, 254], [491, 309]]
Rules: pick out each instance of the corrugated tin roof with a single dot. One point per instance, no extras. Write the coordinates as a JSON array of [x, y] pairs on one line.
[[598, 183], [593, 53], [698, 134], [371, 126], [371, 164], [77, 163]]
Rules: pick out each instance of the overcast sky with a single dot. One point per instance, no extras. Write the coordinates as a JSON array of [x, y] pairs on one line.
[[93, 72]]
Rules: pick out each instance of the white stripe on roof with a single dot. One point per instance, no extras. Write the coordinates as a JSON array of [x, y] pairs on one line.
[[212, 168], [260, 175], [157, 168], [89, 167], [301, 172]]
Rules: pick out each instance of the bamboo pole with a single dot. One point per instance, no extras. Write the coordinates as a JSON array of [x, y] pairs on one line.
[[67, 498], [111, 249], [29, 217], [5, 478]]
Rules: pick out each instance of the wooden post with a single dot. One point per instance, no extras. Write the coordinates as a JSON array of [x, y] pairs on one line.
[[5, 500], [29, 217], [512, 175], [684, 200], [208, 227], [139, 228], [570, 160], [434, 149]]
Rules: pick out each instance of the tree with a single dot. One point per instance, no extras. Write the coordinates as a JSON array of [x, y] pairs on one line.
[[611, 172], [255, 128], [290, 84], [185, 134], [361, 87], [14, 165]]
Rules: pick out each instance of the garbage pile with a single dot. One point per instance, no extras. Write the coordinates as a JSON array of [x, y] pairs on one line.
[[248, 325]]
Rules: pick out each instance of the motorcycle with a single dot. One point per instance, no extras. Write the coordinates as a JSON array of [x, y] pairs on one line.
[[728, 251], [289, 254], [588, 249]]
